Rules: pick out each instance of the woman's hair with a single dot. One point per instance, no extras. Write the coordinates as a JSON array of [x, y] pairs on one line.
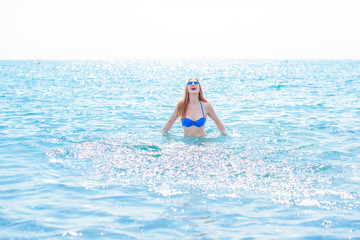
[[183, 104]]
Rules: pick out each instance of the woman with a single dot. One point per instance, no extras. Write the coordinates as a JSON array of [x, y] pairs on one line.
[[194, 106]]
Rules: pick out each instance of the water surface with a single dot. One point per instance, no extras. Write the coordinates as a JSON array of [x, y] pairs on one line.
[[82, 156]]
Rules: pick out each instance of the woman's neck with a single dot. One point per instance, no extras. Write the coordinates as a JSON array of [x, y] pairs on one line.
[[193, 98]]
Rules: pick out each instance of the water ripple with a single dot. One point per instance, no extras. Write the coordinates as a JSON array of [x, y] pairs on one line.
[[81, 155], [213, 169]]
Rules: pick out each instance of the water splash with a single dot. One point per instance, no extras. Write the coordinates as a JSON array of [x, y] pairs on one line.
[[208, 167]]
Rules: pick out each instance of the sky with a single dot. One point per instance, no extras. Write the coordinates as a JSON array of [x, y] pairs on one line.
[[179, 29]]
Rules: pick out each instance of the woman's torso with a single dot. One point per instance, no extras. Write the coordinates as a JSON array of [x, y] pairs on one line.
[[195, 113]]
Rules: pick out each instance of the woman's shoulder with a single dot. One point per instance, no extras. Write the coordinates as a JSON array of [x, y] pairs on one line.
[[179, 104], [206, 105]]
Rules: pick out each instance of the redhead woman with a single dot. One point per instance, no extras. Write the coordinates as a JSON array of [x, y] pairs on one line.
[[193, 110]]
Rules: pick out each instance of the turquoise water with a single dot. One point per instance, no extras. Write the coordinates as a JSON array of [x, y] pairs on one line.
[[81, 155]]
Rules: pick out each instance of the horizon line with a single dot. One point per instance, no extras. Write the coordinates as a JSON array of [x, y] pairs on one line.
[[180, 59]]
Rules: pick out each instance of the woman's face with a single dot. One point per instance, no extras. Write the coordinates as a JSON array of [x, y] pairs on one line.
[[193, 86]]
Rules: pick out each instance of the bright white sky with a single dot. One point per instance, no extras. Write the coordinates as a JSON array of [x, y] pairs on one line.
[[179, 29]]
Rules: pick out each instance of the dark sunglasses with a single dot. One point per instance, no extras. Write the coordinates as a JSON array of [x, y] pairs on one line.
[[191, 82]]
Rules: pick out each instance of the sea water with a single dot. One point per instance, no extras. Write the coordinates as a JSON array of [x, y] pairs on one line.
[[82, 155]]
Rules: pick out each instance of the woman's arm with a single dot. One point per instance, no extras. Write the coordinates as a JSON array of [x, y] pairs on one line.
[[211, 113], [171, 121]]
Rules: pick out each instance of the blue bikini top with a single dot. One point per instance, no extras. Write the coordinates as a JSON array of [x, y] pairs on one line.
[[187, 122]]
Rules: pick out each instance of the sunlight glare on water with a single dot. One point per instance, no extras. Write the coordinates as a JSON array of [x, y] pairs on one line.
[[80, 141]]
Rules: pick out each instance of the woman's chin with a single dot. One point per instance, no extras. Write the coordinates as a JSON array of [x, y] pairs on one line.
[[193, 91]]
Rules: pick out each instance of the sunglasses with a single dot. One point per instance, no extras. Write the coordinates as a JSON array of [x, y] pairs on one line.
[[193, 82]]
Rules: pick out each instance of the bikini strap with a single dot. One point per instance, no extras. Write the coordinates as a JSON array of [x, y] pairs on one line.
[[202, 109]]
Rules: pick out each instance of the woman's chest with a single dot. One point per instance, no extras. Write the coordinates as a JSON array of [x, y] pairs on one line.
[[195, 112]]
